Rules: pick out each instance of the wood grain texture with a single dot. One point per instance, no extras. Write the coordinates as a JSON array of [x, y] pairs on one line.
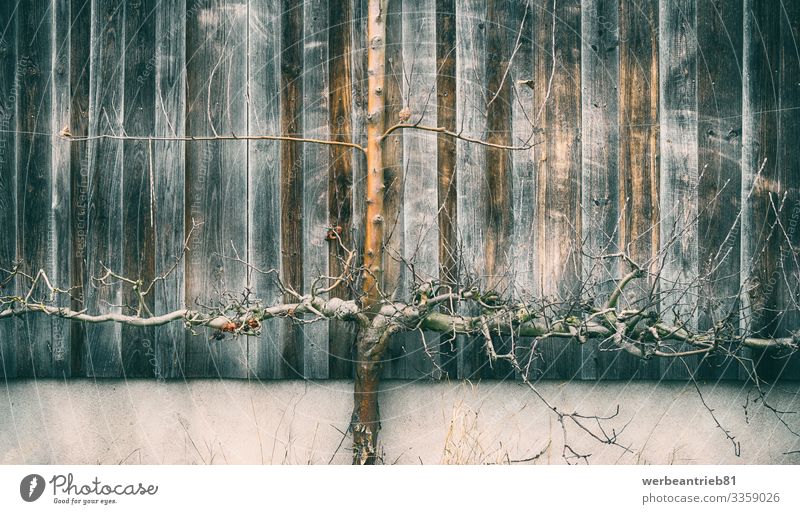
[[138, 182], [105, 219], [446, 93], [216, 71], [316, 161], [679, 174], [638, 156], [600, 158], [761, 268], [343, 59], [393, 176], [169, 169], [557, 94], [471, 103], [788, 289], [719, 132], [265, 353], [61, 195], [291, 158], [417, 351], [9, 90], [35, 227], [79, 74]]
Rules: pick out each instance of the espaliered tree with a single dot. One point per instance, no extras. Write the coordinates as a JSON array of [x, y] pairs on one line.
[[644, 322]]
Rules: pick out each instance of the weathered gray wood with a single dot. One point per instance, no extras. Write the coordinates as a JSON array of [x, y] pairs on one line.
[[9, 90], [471, 163], [315, 113], [789, 161], [216, 175], [599, 151], [558, 166], [35, 234], [419, 200], [61, 194], [638, 159], [677, 46], [169, 181], [719, 132], [264, 175], [105, 218], [760, 271], [394, 272], [79, 73], [138, 182]]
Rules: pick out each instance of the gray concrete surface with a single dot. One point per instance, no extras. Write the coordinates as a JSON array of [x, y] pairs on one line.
[[230, 421]]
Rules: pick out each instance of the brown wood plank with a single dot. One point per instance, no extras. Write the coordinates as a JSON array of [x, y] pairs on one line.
[[446, 90], [169, 181], [600, 169], [105, 218], [719, 132], [216, 50], [679, 175], [292, 167], [557, 83], [638, 161], [316, 205], [9, 91], [138, 181], [264, 175], [343, 161]]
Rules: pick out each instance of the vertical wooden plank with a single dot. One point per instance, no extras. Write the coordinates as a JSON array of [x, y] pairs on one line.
[[341, 21], [600, 155], [504, 24], [558, 159], [216, 174], [789, 163], [471, 163], [761, 267], [79, 79], [719, 132], [9, 90], [446, 93], [138, 181], [169, 181], [292, 175], [315, 112], [61, 193], [105, 218], [419, 200], [638, 156], [394, 272], [264, 175], [679, 175], [35, 226]]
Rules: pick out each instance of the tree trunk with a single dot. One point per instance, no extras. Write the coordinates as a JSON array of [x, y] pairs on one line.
[[366, 421]]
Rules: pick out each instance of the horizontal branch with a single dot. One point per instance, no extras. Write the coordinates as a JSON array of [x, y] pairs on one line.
[[456, 135], [226, 137]]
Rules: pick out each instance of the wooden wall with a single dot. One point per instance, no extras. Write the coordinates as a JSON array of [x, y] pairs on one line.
[[659, 124]]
